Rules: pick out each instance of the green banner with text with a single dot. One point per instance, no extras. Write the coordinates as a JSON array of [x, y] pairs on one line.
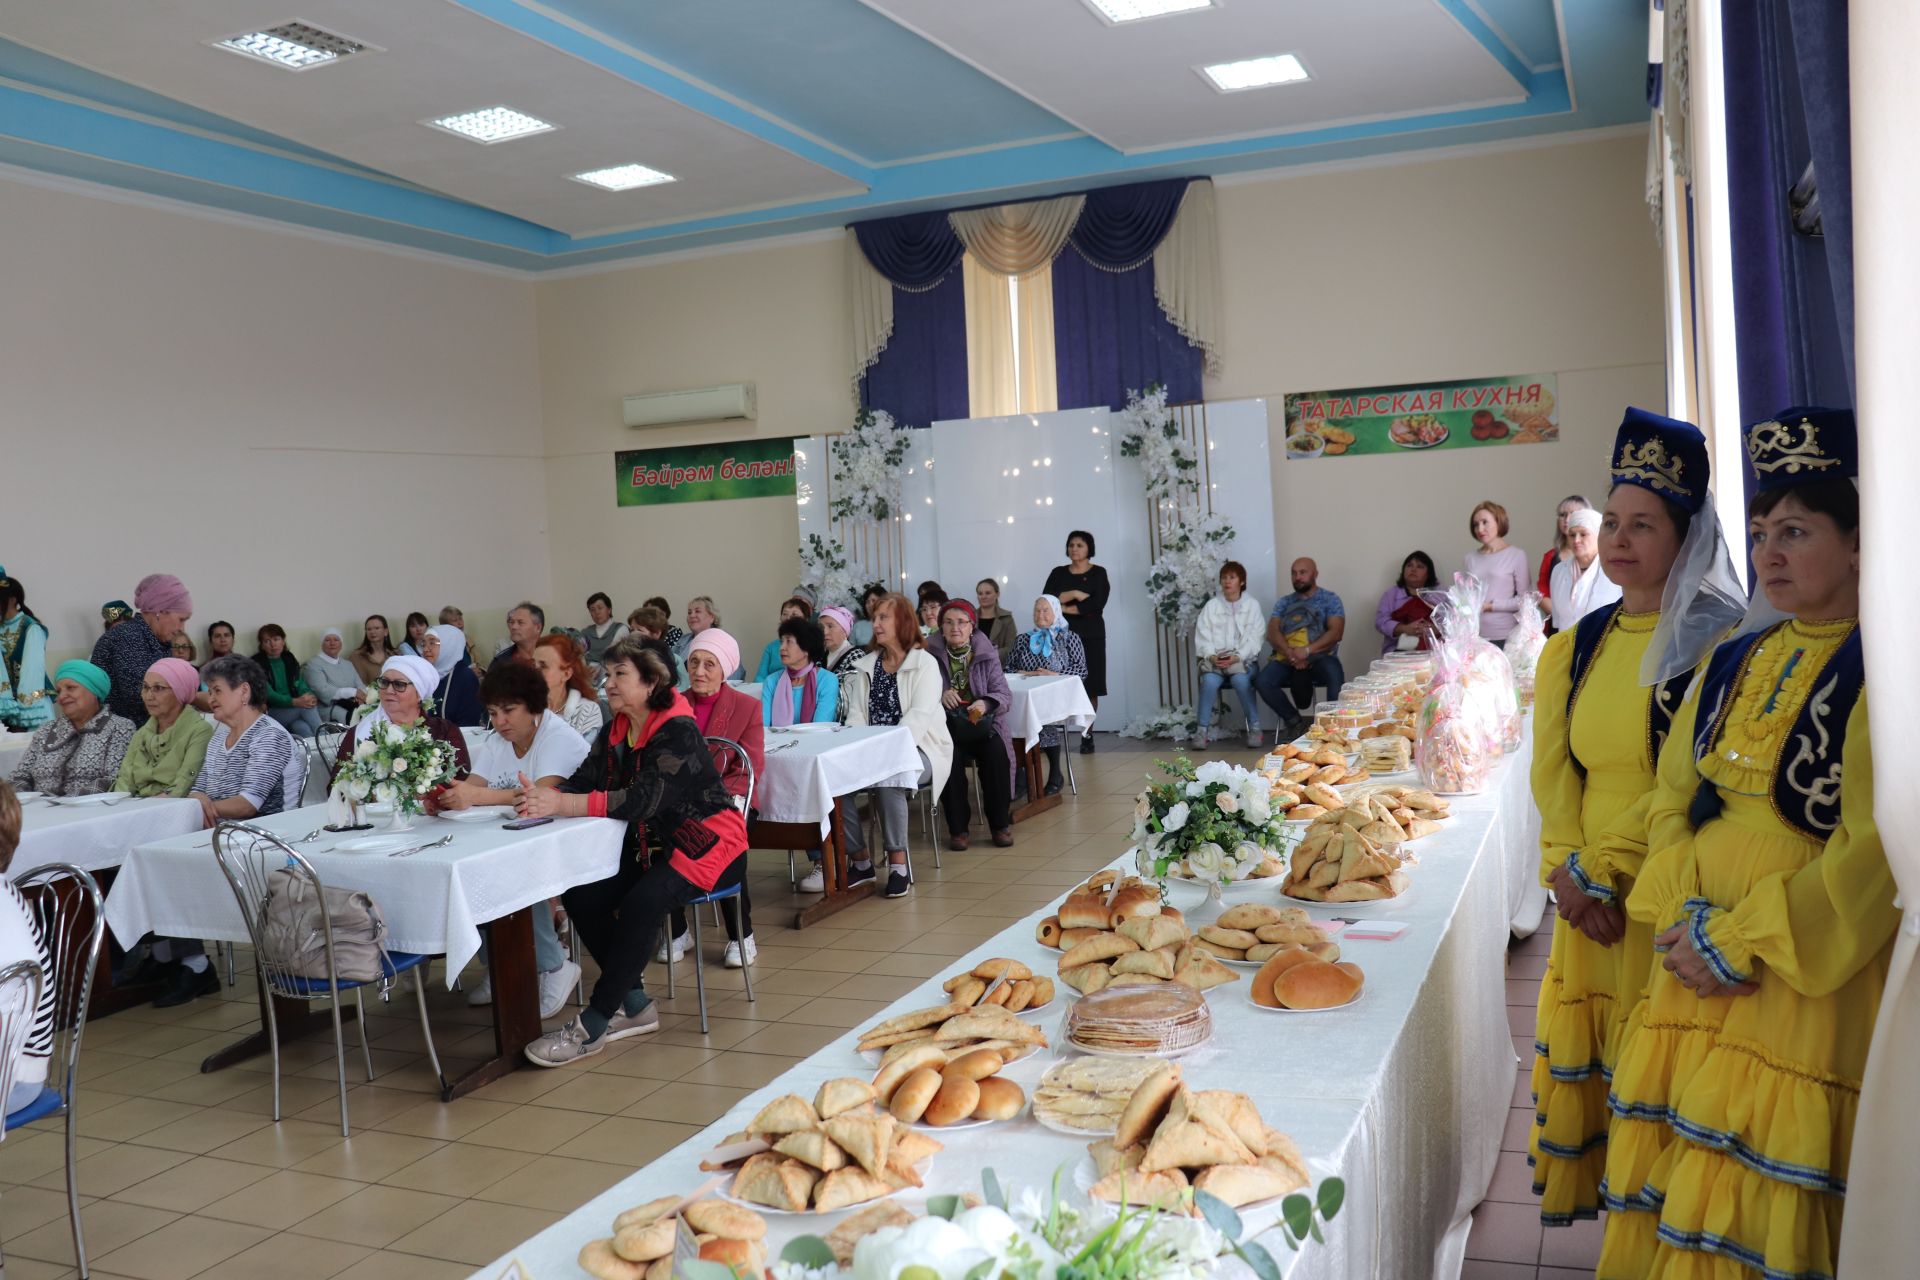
[[705, 472], [1419, 416]]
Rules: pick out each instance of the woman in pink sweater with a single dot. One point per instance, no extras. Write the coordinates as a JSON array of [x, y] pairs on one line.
[[1501, 568]]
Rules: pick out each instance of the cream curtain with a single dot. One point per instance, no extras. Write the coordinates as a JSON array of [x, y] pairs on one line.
[[1039, 386], [998, 382], [1015, 239], [870, 303], [1880, 1235], [1186, 272]]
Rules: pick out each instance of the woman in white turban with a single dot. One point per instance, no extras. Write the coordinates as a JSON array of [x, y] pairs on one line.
[[1580, 585], [404, 686]]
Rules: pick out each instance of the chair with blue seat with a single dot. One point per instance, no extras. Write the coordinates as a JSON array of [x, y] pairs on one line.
[[256, 864], [721, 749], [65, 902]]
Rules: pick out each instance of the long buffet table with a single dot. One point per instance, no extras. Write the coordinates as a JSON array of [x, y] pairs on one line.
[[1404, 1094]]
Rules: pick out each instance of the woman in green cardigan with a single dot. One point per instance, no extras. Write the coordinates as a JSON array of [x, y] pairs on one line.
[[166, 752], [289, 700]]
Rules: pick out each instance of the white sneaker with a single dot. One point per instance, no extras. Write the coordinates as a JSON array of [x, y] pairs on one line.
[[679, 945], [732, 959], [1200, 736], [815, 881], [482, 994], [556, 987]]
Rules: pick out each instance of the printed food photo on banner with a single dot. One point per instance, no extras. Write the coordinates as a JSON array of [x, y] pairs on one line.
[[1415, 417]]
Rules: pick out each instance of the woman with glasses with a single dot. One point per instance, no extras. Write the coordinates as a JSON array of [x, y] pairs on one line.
[[976, 699], [405, 686], [167, 751]]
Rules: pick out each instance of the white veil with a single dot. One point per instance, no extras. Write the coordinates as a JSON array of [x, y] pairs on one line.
[[1702, 602]]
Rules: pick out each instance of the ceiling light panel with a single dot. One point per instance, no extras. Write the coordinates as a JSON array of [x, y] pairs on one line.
[[1255, 73], [624, 177], [1116, 12], [293, 45], [492, 124]]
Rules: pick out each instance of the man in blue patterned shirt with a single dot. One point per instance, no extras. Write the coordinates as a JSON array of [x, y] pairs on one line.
[[1304, 630]]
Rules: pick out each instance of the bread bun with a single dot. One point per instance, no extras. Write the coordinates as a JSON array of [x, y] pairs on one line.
[[919, 1055], [1249, 915], [598, 1260], [1237, 939], [1133, 902], [1277, 964], [1084, 911], [1315, 984], [1042, 992], [1000, 1099], [915, 1092], [719, 1218], [991, 969], [1215, 949], [644, 1244], [1047, 932], [1071, 938], [976, 1064], [954, 1102]]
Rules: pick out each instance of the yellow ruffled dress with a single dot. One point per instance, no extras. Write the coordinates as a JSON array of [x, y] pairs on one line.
[[1599, 824], [1734, 1115]]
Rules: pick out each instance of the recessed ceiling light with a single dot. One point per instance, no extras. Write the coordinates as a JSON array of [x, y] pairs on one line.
[[492, 124], [1119, 11], [293, 45], [624, 177], [1256, 73]]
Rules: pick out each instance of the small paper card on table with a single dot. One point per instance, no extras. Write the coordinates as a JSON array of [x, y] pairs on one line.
[[1373, 930]]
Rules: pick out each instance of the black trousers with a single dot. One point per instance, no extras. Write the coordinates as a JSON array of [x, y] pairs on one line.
[[989, 755], [734, 932], [620, 919]]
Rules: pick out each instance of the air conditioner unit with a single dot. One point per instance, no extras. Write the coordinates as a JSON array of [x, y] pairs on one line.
[[705, 404]]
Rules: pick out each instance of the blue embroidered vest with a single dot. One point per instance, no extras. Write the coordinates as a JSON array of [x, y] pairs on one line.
[[1806, 785], [1662, 700]]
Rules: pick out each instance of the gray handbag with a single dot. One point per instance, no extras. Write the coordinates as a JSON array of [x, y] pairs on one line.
[[291, 930]]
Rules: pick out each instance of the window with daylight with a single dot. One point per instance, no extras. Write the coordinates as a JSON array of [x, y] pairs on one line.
[[1010, 365]]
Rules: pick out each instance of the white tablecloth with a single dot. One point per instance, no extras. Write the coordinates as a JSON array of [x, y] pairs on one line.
[[805, 771], [1039, 701], [1404, 1095], [434, 901], [12, 747], [95, 837]]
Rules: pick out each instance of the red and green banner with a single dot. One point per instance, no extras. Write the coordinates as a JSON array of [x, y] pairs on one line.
[[706, 472], [1422, 416]]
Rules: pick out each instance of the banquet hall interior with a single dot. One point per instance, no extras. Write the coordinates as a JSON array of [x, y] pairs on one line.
[[1103, 478]]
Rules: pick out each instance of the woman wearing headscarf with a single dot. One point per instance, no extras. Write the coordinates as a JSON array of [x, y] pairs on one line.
[[24, 704], [375, 647], [333, 680], [836, 628], [1560, 550], [113, 613], [721, 711], [126, 651], [402, 685], [1606, 692], [456, 690], [78, 752], [167, 751], [1580, 582], [977, 702], [289, 700], [1736, 1093], [1051, 646]]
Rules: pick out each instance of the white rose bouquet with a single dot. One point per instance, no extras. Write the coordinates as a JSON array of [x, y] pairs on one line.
[[1215, 823], [396, 765]]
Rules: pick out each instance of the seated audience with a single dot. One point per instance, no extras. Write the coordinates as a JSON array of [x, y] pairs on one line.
[[836, 627], [165, 754], [651, 624], [456, 695], [898, 682], [686, 838], [525, 622], [995, 621], [400, 684], [25, 703], [126, 651], [219, 640], [529, 746], [933, 598], [1227, 639], [1403, 619], [1050, 646], [870, 599], [601, 630], [1580, 582], [375, 647], [183, 649], [977, 701], [802, 690], [701, 614], [20, 939], [1304, 630], [289, 700], [113, 613], [722, 712], [674, 637], [78, 752], [570, 696], [792, 607], [417, 625], [334, 680], [451, 616]]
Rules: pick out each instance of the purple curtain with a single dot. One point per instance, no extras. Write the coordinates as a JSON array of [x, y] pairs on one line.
[[1120, 227], [1820, 52], [1110, 336], [921, 377], [913, 250]]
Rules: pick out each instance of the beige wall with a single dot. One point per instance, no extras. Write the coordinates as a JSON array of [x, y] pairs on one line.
[[195, 397]]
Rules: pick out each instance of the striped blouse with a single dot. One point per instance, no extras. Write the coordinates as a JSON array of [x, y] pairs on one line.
[[17, 927], [254, 768]]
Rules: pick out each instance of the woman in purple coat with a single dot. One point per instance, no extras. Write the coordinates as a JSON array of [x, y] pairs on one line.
[[978, 703]]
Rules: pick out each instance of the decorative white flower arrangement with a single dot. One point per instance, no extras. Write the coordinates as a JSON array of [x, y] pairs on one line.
[[1187, 573], [1178, 723], [396, 765], [1146, 430], [1193, 546], [864, 466], [823, 566], [1212, 823]]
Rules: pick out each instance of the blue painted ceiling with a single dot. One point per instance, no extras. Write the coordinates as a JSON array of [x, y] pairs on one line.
[[808, 113]]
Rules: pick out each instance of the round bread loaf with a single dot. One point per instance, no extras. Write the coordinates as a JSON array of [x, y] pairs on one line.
[[955, 1101], [915, 1092], [1276, 965], [976, 1064], [999, 1099], [1315, 984], [1047, 933], [644, 1244], [598, 1260]]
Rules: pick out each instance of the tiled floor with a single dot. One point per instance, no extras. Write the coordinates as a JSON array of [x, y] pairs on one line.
[[184, 1175]]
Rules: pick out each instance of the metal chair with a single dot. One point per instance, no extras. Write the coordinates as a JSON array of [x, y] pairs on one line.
[[720, 747], [65, 902], [326, 747], [251, 858]]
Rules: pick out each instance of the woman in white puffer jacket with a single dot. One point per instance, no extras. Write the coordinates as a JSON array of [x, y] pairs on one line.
[[1227, 641]]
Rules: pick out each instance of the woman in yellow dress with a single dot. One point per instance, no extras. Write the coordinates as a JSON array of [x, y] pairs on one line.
[[1605, 694], [1735, 1093]]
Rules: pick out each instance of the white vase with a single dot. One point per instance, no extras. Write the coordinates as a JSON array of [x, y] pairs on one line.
[[1217, 894], [402, 819]]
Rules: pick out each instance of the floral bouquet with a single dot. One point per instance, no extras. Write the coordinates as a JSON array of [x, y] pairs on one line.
[[396, 765], [1214, 823], [864, 467]]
